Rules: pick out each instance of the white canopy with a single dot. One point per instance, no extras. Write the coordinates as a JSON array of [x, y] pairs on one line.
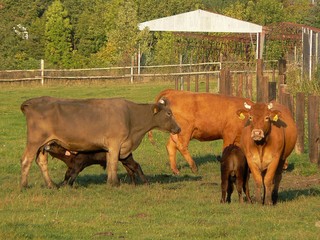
[[200, 21], [204, 21]]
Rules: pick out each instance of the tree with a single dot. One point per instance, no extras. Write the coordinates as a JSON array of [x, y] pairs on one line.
[[58, 46], [122, 40]]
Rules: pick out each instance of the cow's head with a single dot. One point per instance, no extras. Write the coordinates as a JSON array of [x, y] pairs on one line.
[[259, 118], [164, 118]]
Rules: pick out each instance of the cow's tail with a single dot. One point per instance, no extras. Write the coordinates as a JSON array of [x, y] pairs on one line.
[[151, 139]]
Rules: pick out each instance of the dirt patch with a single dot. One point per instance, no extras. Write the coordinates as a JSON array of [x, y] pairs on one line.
[[297, 182]]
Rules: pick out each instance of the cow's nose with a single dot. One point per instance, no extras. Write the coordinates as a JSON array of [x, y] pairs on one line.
[[257, 134], [176, 130]]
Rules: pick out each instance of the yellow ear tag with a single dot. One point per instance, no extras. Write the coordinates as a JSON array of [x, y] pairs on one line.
[[242, 116], [275, 118]]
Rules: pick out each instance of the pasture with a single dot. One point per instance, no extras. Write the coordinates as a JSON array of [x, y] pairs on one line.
[[170, 207]]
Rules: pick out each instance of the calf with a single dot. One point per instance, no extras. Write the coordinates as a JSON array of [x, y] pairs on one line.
[[77, 161], [234, 170]]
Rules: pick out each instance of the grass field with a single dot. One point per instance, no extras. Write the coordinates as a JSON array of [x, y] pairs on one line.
[[170, 207]]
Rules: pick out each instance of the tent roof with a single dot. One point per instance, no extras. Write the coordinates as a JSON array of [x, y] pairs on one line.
[[200, 21]]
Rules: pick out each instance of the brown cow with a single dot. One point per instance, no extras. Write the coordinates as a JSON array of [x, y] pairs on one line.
[[77, 161], [114, 125], [268, 138], [234, 170], [201, 116]]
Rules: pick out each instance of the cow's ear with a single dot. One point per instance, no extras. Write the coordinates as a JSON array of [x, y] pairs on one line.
[[156, 108], [242, 114], [275, 115]]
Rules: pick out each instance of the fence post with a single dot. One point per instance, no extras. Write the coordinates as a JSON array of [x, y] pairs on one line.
[[272, 91], [265, 89], [240, 85], [281, 88], [313, 129], [42, 71], [300, 116], [207, 83], [222, 85], [131, 72], [188, 83], [181, 71], [259, 77], [197, 81], [226, 82], [249, 86]]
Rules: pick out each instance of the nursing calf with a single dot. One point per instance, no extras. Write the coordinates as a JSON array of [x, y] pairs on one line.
[[234, 170], [77, 161], [115, 125], [268, 137]]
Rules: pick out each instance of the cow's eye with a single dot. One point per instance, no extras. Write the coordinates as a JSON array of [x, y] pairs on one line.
[[250, 118], [169, 114], [266, 119]]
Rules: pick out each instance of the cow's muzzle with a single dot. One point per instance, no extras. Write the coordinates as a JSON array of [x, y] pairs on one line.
[[257, 134], [176, 130]]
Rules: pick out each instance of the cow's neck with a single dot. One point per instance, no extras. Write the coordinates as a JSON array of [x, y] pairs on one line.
[[141, 120]]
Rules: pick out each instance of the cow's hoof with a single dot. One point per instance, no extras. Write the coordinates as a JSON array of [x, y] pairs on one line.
[[52, 186], [175, 171], [194, 169]]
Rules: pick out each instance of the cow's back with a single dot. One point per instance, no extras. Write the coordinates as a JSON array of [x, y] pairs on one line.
[[71, 120], [212, 116]]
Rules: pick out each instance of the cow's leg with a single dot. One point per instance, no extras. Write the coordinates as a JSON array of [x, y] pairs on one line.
[[230, 190], [112, 165], [246, 185], [133, 168], [256, 174], [272, 179], [277, 180], [42, 161], [172, 152], [224, 186], [26, 160], [239, 186], [181, 143], [67, 176], [73, 175]]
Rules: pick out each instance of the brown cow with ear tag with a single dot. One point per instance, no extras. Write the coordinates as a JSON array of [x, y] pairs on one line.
[[267, 139]]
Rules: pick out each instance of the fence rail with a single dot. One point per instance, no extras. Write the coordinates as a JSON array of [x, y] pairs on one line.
[[128, 72]]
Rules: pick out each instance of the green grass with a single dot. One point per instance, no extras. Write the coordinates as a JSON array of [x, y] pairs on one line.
[[170, 207]]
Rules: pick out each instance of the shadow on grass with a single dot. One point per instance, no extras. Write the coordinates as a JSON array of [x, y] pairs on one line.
[[96, 179], [289, 195]]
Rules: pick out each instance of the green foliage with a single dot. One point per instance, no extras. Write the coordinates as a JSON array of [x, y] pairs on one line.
[[93, 33], [122, 40], [297, 11], [150, 9], [165, 51], [58, 47], [296, 82], [262, 12]]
